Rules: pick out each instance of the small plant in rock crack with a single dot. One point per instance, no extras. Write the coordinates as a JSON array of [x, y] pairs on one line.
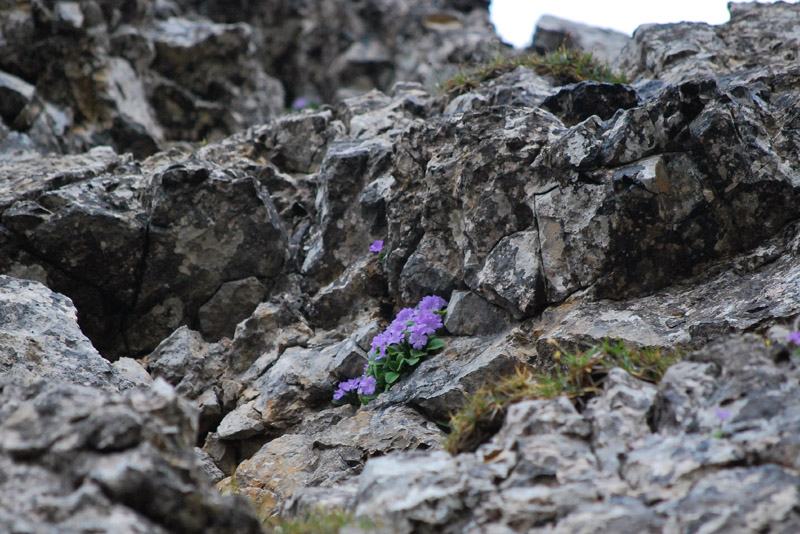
[[377, 248], [794, 337], [722, 415], [577, 375], [396, 351]]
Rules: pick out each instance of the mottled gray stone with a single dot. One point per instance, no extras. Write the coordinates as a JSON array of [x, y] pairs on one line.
[[512, 275], [577, 102], [344, 230], [297, 143], [661, 214], [302, 377], [356, 290], [187, 362], [465, 364], [207, 465], [619, 417], [233, 302], [133, 371], [470, 315], [675, 52], [763, 497], [551, 33], [106, 463], [41, 340], [231, 232], [243, 422]]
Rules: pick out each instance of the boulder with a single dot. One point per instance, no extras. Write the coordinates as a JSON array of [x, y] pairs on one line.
[[106, 462], [552, 33], [41, 340]]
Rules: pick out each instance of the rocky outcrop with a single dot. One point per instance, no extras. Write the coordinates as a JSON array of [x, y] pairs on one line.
[[663, 212], [140, 75], [553, 33], [83, 445]]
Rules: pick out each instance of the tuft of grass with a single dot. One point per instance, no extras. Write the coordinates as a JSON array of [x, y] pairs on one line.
[[320, 521], [578, 376], [565, 65]]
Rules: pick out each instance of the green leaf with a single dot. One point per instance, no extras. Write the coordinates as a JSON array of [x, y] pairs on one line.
[[393, 349], [418, 353], [434, 343], [366, 398], [391, 377], [394, 365], [412, 361]]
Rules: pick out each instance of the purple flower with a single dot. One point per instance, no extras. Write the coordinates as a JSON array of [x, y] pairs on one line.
[[795, 337], [417, 336], [429, 321], [403, 316], [367, 386], [394, 335], [377, 246], [346, 387], [722, 414], [432, 303], [379, 344], [300, 103]]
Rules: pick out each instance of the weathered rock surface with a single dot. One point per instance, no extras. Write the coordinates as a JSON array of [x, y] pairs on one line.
[[41, 340], [639, 457], [77, 459], [138, 75], [663, 212], [552, 33]]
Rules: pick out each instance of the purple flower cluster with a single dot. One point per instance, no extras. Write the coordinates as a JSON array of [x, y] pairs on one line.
[[363, 385], [412, 325], [419, 323]]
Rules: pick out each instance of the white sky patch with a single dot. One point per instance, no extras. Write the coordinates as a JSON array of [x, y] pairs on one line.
[[516, 19]]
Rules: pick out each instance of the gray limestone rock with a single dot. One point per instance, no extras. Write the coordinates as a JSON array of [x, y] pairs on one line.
[[553, 32], [512, 275], [105, 462], [675, 52], [233, 302], [41, 340], [663, 213], [301, 378], [230, 232], [470, 315]]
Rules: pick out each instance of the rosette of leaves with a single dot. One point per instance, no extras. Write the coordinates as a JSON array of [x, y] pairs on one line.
[[409, 339]]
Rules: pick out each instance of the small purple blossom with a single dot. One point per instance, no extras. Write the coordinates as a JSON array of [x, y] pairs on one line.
[[794, 337], [300, 103], [403, 316], [431, 303], [379, 344], [418, 336], [346, 387], [394, 335], [722, 414], [367, 386], [377, 246], [429, 320]]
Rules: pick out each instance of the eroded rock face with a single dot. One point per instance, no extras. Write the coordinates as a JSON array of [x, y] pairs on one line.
[[106, 462], [138, 75], [41, 340], [657, 452]]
